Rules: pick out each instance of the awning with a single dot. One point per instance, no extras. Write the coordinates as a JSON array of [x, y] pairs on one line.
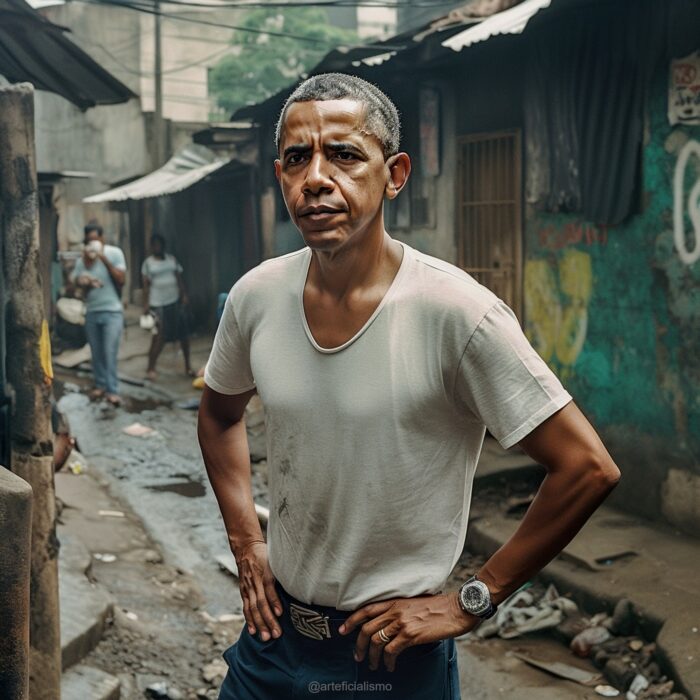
[[187, 167], [34, 50], [511, 21]]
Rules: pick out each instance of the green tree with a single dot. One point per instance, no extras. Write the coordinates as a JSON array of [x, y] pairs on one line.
[[267, 63]]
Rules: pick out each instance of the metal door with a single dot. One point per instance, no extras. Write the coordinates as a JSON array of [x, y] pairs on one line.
[[489, 217]]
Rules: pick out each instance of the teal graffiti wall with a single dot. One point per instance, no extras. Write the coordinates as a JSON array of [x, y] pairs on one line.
[[616, 313]]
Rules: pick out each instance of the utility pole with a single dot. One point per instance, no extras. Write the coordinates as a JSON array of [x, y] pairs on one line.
[[158, 121]]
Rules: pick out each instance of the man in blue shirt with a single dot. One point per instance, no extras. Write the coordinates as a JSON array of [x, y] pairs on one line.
[[100, 273]]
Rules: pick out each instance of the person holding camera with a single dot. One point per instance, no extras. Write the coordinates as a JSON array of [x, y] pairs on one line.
[[100, 273]]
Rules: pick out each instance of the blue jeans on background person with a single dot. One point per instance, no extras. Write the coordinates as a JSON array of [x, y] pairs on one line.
[[104, 332]]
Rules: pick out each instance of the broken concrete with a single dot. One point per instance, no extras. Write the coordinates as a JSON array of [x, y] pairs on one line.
[[89, 683], [658, 574], [85, 607]]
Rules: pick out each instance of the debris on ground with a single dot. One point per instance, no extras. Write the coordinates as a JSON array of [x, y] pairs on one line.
[[625, 660], [106, 558], [585, 640], [162, 691], [138, 430], [111, 513], [557, 668], [76, 463], [523, 613], [215, 671]]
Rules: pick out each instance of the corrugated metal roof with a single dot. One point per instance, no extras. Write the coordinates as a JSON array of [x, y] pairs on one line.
[[35, 50], [511, 21], [187, 167]]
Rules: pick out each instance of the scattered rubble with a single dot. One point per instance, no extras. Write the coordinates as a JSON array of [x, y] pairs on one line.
[[611, 642]]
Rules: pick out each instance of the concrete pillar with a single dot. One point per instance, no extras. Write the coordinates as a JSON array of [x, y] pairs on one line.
[[15, 555], [27, 377]]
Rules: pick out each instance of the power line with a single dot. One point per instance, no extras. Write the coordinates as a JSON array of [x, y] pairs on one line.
[[244, 4], [148, 10]]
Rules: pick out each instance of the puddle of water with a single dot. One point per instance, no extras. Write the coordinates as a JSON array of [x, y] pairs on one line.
[[189, 489], [134, 405]]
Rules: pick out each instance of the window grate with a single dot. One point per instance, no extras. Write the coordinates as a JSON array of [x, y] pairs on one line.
[[489, 216]]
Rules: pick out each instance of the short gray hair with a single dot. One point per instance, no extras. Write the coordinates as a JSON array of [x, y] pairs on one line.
[[381, 115]]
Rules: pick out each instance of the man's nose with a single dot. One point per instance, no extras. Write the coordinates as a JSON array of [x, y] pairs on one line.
[[317, 175]]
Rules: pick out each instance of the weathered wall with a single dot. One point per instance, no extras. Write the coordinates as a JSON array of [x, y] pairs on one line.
[[27, 374], [109, 141], [616, 313], [15, 555]]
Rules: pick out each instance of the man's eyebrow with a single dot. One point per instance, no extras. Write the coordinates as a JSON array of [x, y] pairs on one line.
[[337, 147], [300, 148]]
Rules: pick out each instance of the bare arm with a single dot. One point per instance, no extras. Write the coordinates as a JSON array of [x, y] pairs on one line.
[[580, 475], [146, 294], [224, 443], [181, 287], [115, 273]]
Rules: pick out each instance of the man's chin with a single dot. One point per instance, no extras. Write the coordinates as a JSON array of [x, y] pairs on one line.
[[323, 240]]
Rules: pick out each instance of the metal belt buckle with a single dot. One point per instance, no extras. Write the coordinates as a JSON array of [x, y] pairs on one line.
[[309, 622]]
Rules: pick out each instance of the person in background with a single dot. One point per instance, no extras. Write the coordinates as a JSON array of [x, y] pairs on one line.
[[164, 296], [100, 273]]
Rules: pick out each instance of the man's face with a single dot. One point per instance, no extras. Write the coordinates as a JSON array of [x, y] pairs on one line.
[[332, 172]]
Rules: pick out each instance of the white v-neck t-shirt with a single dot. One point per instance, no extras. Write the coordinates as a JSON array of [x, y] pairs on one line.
[[372, 446]]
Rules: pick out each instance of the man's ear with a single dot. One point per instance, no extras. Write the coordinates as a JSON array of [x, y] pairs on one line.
[[398, 171], [278, 169]]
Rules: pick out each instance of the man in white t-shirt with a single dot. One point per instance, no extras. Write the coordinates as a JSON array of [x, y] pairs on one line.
[[380, 368]]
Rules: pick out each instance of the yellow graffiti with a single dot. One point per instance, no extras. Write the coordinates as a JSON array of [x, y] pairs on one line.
[[557, 310], [45, 352]]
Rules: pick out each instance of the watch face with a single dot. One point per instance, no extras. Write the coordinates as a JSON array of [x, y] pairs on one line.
[[475, 597]]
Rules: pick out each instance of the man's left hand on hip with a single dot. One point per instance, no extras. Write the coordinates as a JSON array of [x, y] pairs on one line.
[[406, 622]]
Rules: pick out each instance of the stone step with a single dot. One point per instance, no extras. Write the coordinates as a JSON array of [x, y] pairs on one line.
[[83, 682], [85, 608]]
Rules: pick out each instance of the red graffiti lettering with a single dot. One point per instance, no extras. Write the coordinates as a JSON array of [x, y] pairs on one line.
[[572, 233]]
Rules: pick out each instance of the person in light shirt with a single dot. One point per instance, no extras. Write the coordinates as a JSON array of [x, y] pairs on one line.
[[100, 273], [165, 297], [380, 369]]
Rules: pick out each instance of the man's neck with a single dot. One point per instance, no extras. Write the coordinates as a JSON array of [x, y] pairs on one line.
[[342, 272]]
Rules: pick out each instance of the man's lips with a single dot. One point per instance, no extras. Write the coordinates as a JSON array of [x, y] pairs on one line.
[[320, 210]]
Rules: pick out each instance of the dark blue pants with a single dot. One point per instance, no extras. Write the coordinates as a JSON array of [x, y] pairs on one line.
[[294, 666]]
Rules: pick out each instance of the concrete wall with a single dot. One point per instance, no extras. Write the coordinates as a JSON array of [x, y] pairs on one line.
[[109, 141], [15, 554], [616, 313]]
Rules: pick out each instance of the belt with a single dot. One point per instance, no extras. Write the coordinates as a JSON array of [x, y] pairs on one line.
[[321, 624], [317, 622]]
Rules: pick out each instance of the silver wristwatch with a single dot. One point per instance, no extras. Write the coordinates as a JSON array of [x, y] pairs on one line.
[[475, 599]]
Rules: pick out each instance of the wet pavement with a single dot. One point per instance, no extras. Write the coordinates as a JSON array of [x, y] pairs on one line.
[[162, 476]]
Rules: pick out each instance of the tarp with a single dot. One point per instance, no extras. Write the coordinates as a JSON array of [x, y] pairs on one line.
[[187, 167], [512, 21], [34, 50]]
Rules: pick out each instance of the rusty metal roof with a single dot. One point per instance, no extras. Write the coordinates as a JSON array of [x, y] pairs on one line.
[[509, 21], [34, 50]]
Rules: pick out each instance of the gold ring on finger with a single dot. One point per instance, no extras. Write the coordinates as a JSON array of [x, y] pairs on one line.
[[383, 636]]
